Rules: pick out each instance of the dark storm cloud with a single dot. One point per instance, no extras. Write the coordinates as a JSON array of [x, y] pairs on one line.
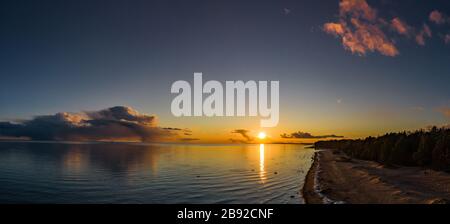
[[244, 133], [124, 114], [115, 123], [300, 135], [185, 131]]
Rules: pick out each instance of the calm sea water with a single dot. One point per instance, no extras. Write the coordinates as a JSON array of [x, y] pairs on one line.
[[152, 173]]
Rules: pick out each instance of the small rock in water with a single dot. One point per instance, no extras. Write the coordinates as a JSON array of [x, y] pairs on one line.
[[275, 173]]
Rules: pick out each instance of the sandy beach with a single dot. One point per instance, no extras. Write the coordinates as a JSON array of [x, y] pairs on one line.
[[336, 178]]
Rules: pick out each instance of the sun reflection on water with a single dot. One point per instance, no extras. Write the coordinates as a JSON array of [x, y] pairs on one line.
[[153, 173], [262, 173]]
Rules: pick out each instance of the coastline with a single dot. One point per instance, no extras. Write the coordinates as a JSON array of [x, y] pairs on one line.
[[310, 196], [334, 178]]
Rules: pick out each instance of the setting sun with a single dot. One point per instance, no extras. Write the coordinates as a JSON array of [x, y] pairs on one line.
[[262, 135]]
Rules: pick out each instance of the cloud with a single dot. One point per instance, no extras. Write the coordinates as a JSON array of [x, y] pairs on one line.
[[357, 9], [438, 17], [360, 29], [232, 140], [425, 32], [244, 133], [334, 28], [286, 11], [400, 26], [301, 135], [185, 131], [447, 39], [122, 113], [189, 139], [115, 123]]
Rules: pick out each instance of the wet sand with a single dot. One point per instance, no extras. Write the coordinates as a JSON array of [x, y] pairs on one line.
[[336, 178]]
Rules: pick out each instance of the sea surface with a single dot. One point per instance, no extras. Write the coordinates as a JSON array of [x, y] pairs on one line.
[[69, 172]]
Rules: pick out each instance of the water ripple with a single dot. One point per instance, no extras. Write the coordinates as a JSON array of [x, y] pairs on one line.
[[160, 173]]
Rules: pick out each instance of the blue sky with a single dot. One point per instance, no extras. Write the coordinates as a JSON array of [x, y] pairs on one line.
[[89, 55]]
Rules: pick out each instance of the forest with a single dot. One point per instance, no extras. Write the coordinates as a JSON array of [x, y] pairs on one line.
[[426, 148]]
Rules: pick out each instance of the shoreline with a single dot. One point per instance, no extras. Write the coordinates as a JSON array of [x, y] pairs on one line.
[[309, 194], [335, 178]]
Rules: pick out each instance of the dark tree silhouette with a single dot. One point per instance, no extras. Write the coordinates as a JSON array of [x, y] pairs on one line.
[[429, 148]]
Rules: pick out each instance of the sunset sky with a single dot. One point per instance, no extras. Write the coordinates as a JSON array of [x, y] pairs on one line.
[[347, 68]]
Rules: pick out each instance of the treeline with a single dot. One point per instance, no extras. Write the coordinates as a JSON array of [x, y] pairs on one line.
[[429, 148]]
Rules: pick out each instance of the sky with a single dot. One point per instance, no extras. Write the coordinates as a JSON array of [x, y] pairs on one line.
[[349, 68]]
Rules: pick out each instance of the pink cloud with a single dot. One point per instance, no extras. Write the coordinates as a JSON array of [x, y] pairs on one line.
[[334, 28], [437, 17], [360, 29], [358, 9], [400, 27], [425, 32]]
